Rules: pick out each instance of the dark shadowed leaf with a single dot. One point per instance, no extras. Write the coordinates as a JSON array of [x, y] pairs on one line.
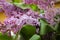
[[27, 31], [57, 27], [5, 37]]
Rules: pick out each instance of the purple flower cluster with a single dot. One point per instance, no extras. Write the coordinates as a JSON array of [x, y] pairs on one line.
[[17, 17], [40, 3], [50, 15], [20, 20]]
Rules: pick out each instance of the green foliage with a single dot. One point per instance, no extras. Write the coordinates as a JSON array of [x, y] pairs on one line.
[[35, 37], [22, 5], [41, 11], [45, 28], [57, 37], [5, 37], [34, 7], [25, 6], [57, 17], [21, 37], [27, 31], [57, 27], [17, 1]]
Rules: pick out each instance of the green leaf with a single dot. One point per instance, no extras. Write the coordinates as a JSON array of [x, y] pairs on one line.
[[45, 27], [0, 33], [16, 1], [41, 11], [21, 37], [25, 6], [22, 5], [35, 37], [57, 27], [5, 37], [34, 7], [43, 20], [27, 31]]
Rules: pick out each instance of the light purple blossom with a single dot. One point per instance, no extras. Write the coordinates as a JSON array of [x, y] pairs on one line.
[[22, 20], [1, 10], [40, 3], [17, 17], [2, 0], [50, 14]]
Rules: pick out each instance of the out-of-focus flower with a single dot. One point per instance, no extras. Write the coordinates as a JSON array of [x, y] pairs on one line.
[[19, 20], [28, 1], [2, 0], [40, 3], [50, 14], [17, 17], [8, 8], [1, 10]]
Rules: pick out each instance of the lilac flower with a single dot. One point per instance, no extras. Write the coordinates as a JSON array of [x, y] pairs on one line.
[[8, 8], [19, 22], [50, 14], [2, 27], [28, 1], [33, 14], [1, 10], [2, 0], [16, 19], [40, 3]]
